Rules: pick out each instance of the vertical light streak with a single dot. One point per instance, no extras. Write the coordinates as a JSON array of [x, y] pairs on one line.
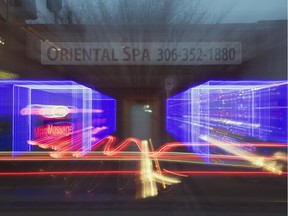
[[148, 184], [157, 164], [148, 177]]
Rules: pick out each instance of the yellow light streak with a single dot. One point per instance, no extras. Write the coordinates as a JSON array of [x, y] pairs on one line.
[[157, 164], [271, 166]]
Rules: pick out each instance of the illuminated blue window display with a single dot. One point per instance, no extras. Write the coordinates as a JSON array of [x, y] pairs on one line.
[[77, 97], [232, 111], [59, 107], [6, 107], [6, 91], [103, 115]]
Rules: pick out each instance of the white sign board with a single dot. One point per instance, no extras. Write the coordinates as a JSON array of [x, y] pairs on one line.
[[140, 53]]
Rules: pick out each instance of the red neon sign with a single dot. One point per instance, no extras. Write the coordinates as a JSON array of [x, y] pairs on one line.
[[53, 130]]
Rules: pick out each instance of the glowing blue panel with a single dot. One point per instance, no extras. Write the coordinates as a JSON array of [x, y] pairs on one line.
[[103, 115], [238, 111], [6, 107], [76, 97], [6, 91], [27, 105]]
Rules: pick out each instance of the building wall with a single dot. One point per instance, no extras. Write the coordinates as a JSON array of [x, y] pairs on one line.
[[264, 46]]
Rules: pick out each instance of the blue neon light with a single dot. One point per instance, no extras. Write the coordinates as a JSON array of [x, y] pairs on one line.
[[19, 95], [238, 111], [76, 96], [106, 118]]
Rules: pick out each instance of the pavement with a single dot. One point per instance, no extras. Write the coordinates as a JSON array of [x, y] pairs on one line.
[[115, 195]]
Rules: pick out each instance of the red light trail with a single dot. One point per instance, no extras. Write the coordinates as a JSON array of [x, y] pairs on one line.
[[145, 176], [110, 141], [110, 152], [136, 172]]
